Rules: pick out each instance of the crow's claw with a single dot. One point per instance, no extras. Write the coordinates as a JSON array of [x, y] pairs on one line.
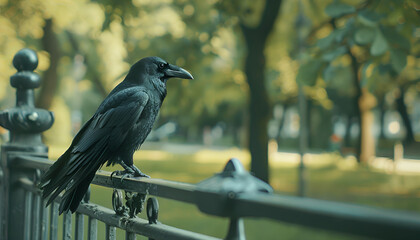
[[141, 175], [115, 173], [138, 173], [129, 175], [123, 174]]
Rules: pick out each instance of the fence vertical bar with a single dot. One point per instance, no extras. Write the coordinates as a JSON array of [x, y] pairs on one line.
[[36, 217], [79, 230], [25, 124], [236, 229], [67, 226], [27, 216], [130, 236], [92, 228], [44, 220], [111, 232], [54, 221], [2, 201]]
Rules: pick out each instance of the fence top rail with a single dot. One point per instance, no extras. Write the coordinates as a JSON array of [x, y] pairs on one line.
[[132, 225], [158, 187], [321, 214]]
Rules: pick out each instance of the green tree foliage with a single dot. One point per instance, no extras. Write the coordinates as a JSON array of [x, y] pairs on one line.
[[351, 46], [363, 48], [106, 37]]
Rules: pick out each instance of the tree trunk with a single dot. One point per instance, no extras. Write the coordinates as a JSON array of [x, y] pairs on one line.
[[382, 117], [366, 103], [356, 102], [347, 137], [259, 104], [402, 109], [281, 124], [90, 64], [308, 123], [365, 148], [50, 78]]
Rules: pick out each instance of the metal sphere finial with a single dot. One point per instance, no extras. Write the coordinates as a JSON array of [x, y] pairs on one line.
[[25, 60]]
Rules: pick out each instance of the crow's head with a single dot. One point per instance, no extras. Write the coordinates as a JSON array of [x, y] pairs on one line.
[[154, 71]]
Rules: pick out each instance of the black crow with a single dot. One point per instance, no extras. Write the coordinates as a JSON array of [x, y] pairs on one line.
[[117, 129]]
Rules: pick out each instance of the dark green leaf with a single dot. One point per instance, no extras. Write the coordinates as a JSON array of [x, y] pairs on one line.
[[398, 60], [308, 72], [336, 36], [338, 77], [339, 34], [333, 54], [326, 42], [364, 35], [368, 18], [337, 9], [384, 68], [329, 73], [395, 38], [380, 45]]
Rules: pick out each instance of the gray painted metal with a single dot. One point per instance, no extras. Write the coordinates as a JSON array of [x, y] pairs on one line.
[[54, 221], [25, 123], [321, 214], [138, 225], [67, 226], [36, 216], [92, 228], [44, 220], [79, 231], [27, 218], [340, 217], [134, 225], [130, 236], [111, 232]]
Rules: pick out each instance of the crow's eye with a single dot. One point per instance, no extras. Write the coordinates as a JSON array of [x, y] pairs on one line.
[[161, 65]]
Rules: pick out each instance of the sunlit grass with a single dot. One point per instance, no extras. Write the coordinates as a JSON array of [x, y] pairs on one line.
[[328, 176]]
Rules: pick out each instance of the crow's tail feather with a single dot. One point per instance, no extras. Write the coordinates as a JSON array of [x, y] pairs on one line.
[[72, 197], [72, 172]]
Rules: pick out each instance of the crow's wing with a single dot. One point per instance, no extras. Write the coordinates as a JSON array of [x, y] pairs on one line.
[[96, 141], [113, 120]]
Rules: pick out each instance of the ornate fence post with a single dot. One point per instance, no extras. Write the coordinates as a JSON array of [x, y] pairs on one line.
[[217, 194], [25, 124]]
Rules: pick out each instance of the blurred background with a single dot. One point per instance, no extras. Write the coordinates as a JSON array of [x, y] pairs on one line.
[[318, 98]]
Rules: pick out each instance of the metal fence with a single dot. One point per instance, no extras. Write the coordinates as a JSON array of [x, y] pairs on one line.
[[232, 193]]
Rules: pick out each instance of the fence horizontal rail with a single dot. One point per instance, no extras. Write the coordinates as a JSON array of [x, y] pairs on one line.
[[132, 225], [158, 187], [340, 217], [321, 214]]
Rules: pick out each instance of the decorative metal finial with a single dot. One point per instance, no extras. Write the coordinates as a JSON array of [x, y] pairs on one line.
[[234, 179], [25, 60], [218, 193], [24, 121]]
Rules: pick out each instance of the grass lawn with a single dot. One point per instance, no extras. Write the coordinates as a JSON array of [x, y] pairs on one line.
[[328, 176]]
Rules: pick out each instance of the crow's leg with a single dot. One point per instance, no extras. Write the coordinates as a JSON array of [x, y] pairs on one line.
[[128, 163], [128, 172], [137, 172]]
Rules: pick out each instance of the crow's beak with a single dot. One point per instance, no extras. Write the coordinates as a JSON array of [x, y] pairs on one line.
[[175, 71]]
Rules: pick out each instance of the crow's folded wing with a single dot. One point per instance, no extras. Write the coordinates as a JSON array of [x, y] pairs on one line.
[[96, 141]]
